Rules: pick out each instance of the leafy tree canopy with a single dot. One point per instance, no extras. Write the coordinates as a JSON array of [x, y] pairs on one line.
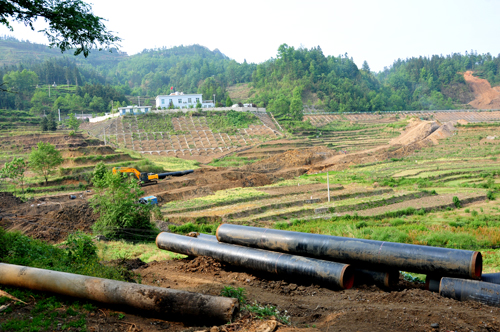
[[44, 158], [71, 23]]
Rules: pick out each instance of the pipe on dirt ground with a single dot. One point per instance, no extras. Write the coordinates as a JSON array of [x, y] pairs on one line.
[[177, 304], [494, 278], [361, 276], [376, 254], [386, 279], [470, 290], [315, 270], [432, 283]]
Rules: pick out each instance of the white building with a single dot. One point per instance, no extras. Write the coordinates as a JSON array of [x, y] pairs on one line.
[[181, 100], [134, 110]]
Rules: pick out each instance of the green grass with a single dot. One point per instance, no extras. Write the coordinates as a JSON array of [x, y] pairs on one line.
[[173, 164], [146, 252], [232, 161], [219, 197]]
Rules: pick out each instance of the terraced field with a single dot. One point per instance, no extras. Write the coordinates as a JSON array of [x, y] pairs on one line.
[[187, 137], [442, 116]]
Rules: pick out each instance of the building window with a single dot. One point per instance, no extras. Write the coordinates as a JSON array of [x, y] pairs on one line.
[[180, 101], [170, 101], [189, 100], [163, 101]]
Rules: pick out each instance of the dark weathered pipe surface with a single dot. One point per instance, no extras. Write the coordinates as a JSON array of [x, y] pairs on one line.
[[377, 254], [432, 283], [179, 173], [315, 270], [379, 278], [470, 290], [494, 278], [169, 302]]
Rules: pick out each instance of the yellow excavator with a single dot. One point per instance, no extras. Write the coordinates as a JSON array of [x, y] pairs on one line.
[[145, 178]]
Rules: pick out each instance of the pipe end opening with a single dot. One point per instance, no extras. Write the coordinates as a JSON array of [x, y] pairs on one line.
[[347, 277], [217, 233], [477, 265]]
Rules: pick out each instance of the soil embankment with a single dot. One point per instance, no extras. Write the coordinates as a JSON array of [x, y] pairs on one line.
[[487, 97]]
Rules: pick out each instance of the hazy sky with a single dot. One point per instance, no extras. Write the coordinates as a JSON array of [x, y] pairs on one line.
[[376, 31]]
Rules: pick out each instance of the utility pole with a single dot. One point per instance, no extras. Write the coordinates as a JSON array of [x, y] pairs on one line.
[[328, 185], [104, 136], [49, 90], [59, 112], [139, 100], [214, 99]]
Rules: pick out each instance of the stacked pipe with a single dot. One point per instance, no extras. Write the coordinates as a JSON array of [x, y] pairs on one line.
[[455, 267], [315, 270]]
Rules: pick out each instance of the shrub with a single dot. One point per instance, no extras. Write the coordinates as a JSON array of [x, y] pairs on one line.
[[490, 195], [237, 293], [456, 201], [467, 210], [361, 224]]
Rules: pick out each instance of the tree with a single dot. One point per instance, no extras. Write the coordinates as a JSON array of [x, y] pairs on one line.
[[229, 102], [71, 23], [22, 84], [51, 122], [14, 170], [198, 104], [44, 124], [73, 122], [365, 66], [117, 204], [44, 159], [296, 106]]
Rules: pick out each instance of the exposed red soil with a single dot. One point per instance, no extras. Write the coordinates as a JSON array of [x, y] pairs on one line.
[[487, 97]]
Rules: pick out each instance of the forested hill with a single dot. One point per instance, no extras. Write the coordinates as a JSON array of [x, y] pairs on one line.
[[296, 79], [336, 84]]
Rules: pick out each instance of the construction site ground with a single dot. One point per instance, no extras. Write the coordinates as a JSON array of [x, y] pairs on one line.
[[287, 181]]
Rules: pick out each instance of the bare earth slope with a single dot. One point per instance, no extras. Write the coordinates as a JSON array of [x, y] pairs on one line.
[[486, 96]]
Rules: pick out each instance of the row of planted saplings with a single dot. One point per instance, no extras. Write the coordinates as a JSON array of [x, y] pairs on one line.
[[339, 262]]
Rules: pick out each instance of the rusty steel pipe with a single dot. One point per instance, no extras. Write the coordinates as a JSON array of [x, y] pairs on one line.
[[385, 279], [470, 290], [315, 270], [177, 304], [361, 276], [494, 278], [369, 254], [432, 283]]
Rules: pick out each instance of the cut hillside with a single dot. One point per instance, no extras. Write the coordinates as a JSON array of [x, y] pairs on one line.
[[487, 97]]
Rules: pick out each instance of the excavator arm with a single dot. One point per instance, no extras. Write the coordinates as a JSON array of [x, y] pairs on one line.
[[148, 178]]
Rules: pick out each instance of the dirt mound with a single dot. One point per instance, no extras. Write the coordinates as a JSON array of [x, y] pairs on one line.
[[8, 200], [462, 122], [486, 96], [290, 159], [51, 222], [85, 151], [445, 131], [201, 264], [417, 130]]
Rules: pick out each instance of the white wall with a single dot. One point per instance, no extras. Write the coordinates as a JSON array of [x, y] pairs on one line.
[[178, 100]]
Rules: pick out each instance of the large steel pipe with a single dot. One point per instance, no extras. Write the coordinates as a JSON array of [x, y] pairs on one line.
[[315, 270], [369, 254], [173, 303], [470, 290], [491, 277], [432, 283], [386, 279]]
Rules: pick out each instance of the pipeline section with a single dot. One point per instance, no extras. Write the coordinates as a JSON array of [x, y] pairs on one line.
[[377, 255], [432, 283], [315, 270], [179, 173], [361, 276], [176, 304], [386, 279], [470, 290]]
